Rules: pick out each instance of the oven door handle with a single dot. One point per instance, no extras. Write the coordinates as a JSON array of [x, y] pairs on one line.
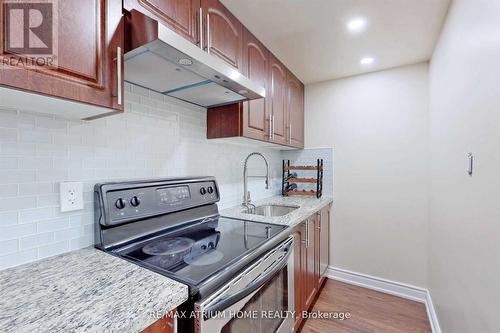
[[250, 288]]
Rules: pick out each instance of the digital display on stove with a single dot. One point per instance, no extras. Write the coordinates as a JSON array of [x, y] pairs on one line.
[[173, 195]]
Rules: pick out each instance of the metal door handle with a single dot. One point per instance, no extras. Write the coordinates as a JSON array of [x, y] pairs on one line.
[[470, 166], [307, 233], [270, 127], [208, 34], [119, 75], [201, 27], [273, 128]]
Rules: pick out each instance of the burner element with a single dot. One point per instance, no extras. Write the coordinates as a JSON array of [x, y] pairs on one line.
[[169, 246]]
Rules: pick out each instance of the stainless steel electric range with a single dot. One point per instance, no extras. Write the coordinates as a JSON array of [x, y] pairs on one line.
[[173, 227]]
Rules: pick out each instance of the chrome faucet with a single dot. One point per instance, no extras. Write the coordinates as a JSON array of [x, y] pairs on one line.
[[246, 193]]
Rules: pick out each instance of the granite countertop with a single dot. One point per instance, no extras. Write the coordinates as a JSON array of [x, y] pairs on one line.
[[84, 291], [307, 207]]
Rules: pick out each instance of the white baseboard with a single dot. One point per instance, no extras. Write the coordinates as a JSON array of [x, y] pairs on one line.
[[389, 287]]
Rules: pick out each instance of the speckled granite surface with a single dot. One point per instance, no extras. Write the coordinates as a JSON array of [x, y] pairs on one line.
[[84, 291], [307, 207]]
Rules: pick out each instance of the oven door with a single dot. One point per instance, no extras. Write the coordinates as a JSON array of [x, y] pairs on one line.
[[260, 299]]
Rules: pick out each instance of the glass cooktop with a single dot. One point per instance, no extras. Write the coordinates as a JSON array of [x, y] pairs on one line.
[[195, 253]]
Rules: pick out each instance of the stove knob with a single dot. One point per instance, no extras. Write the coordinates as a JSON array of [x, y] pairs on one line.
[[120, 203], [203, 191], [203, 247], [135, 201], [210, 189]]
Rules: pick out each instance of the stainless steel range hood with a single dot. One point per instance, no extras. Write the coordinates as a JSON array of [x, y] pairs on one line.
[[161, 60]]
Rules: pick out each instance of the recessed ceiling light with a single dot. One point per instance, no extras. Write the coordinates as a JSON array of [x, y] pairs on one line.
[[356, 25], [367, 61]]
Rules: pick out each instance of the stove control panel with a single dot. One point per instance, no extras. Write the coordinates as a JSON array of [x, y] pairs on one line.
[[130, 202]]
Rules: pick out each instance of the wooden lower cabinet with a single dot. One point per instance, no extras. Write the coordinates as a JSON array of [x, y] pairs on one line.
[[311, 253], [164, 325]]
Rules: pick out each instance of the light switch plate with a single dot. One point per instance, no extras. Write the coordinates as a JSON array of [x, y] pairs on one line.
[[71, 195]]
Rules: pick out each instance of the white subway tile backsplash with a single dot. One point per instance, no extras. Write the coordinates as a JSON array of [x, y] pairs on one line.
[[157, 136], [9, 246], [28, 189], [33, 215], [16, 149], [35, 136], [48, 200], [53, 249], [37, 240], [10, 232], [81, 242], [9, 218], [8, 163], [52, 150], [18, 258], [35, 163], [8, 135], [17, 203], [69, 234], [9, 190], [53, 224], [16, 176], [8, 118]]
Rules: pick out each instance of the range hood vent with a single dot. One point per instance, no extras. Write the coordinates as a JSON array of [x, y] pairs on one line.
[[159, 59]]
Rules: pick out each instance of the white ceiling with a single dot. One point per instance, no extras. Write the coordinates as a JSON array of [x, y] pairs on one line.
[[311, 38]]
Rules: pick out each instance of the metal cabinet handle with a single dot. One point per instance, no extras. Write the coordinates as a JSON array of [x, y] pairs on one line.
[[272, 131], [271, 118], [119, 82], [307, 233], [208, 34], [201, 27], [290, 134]]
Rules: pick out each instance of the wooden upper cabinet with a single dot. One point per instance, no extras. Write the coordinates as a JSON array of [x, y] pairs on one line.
[[88, 38], [277, 100], [255, 67], [182, 16], [295, 111], [223, 35]]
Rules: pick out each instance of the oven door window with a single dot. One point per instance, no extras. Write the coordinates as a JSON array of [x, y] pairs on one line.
[[270, 304]]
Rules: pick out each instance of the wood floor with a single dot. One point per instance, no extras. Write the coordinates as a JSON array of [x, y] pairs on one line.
[[371, 311]]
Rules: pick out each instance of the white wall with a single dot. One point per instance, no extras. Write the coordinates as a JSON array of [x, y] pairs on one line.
[[464, 261], [156, 137], [378, 126]]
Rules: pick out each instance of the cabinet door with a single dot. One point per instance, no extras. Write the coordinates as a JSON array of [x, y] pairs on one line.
[[255, 67], [164, 325], [88, 38], [223, 33], [277, 94], [300, 280], [179, 15], [295, 111], [324, 240], [311, 263]]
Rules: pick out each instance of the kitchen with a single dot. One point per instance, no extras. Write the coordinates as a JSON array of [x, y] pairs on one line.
[[320, 166]]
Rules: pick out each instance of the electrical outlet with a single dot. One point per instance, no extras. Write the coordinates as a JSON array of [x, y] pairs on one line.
[[71, 194]]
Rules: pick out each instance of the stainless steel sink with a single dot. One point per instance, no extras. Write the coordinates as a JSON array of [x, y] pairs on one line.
[[271, 210]]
